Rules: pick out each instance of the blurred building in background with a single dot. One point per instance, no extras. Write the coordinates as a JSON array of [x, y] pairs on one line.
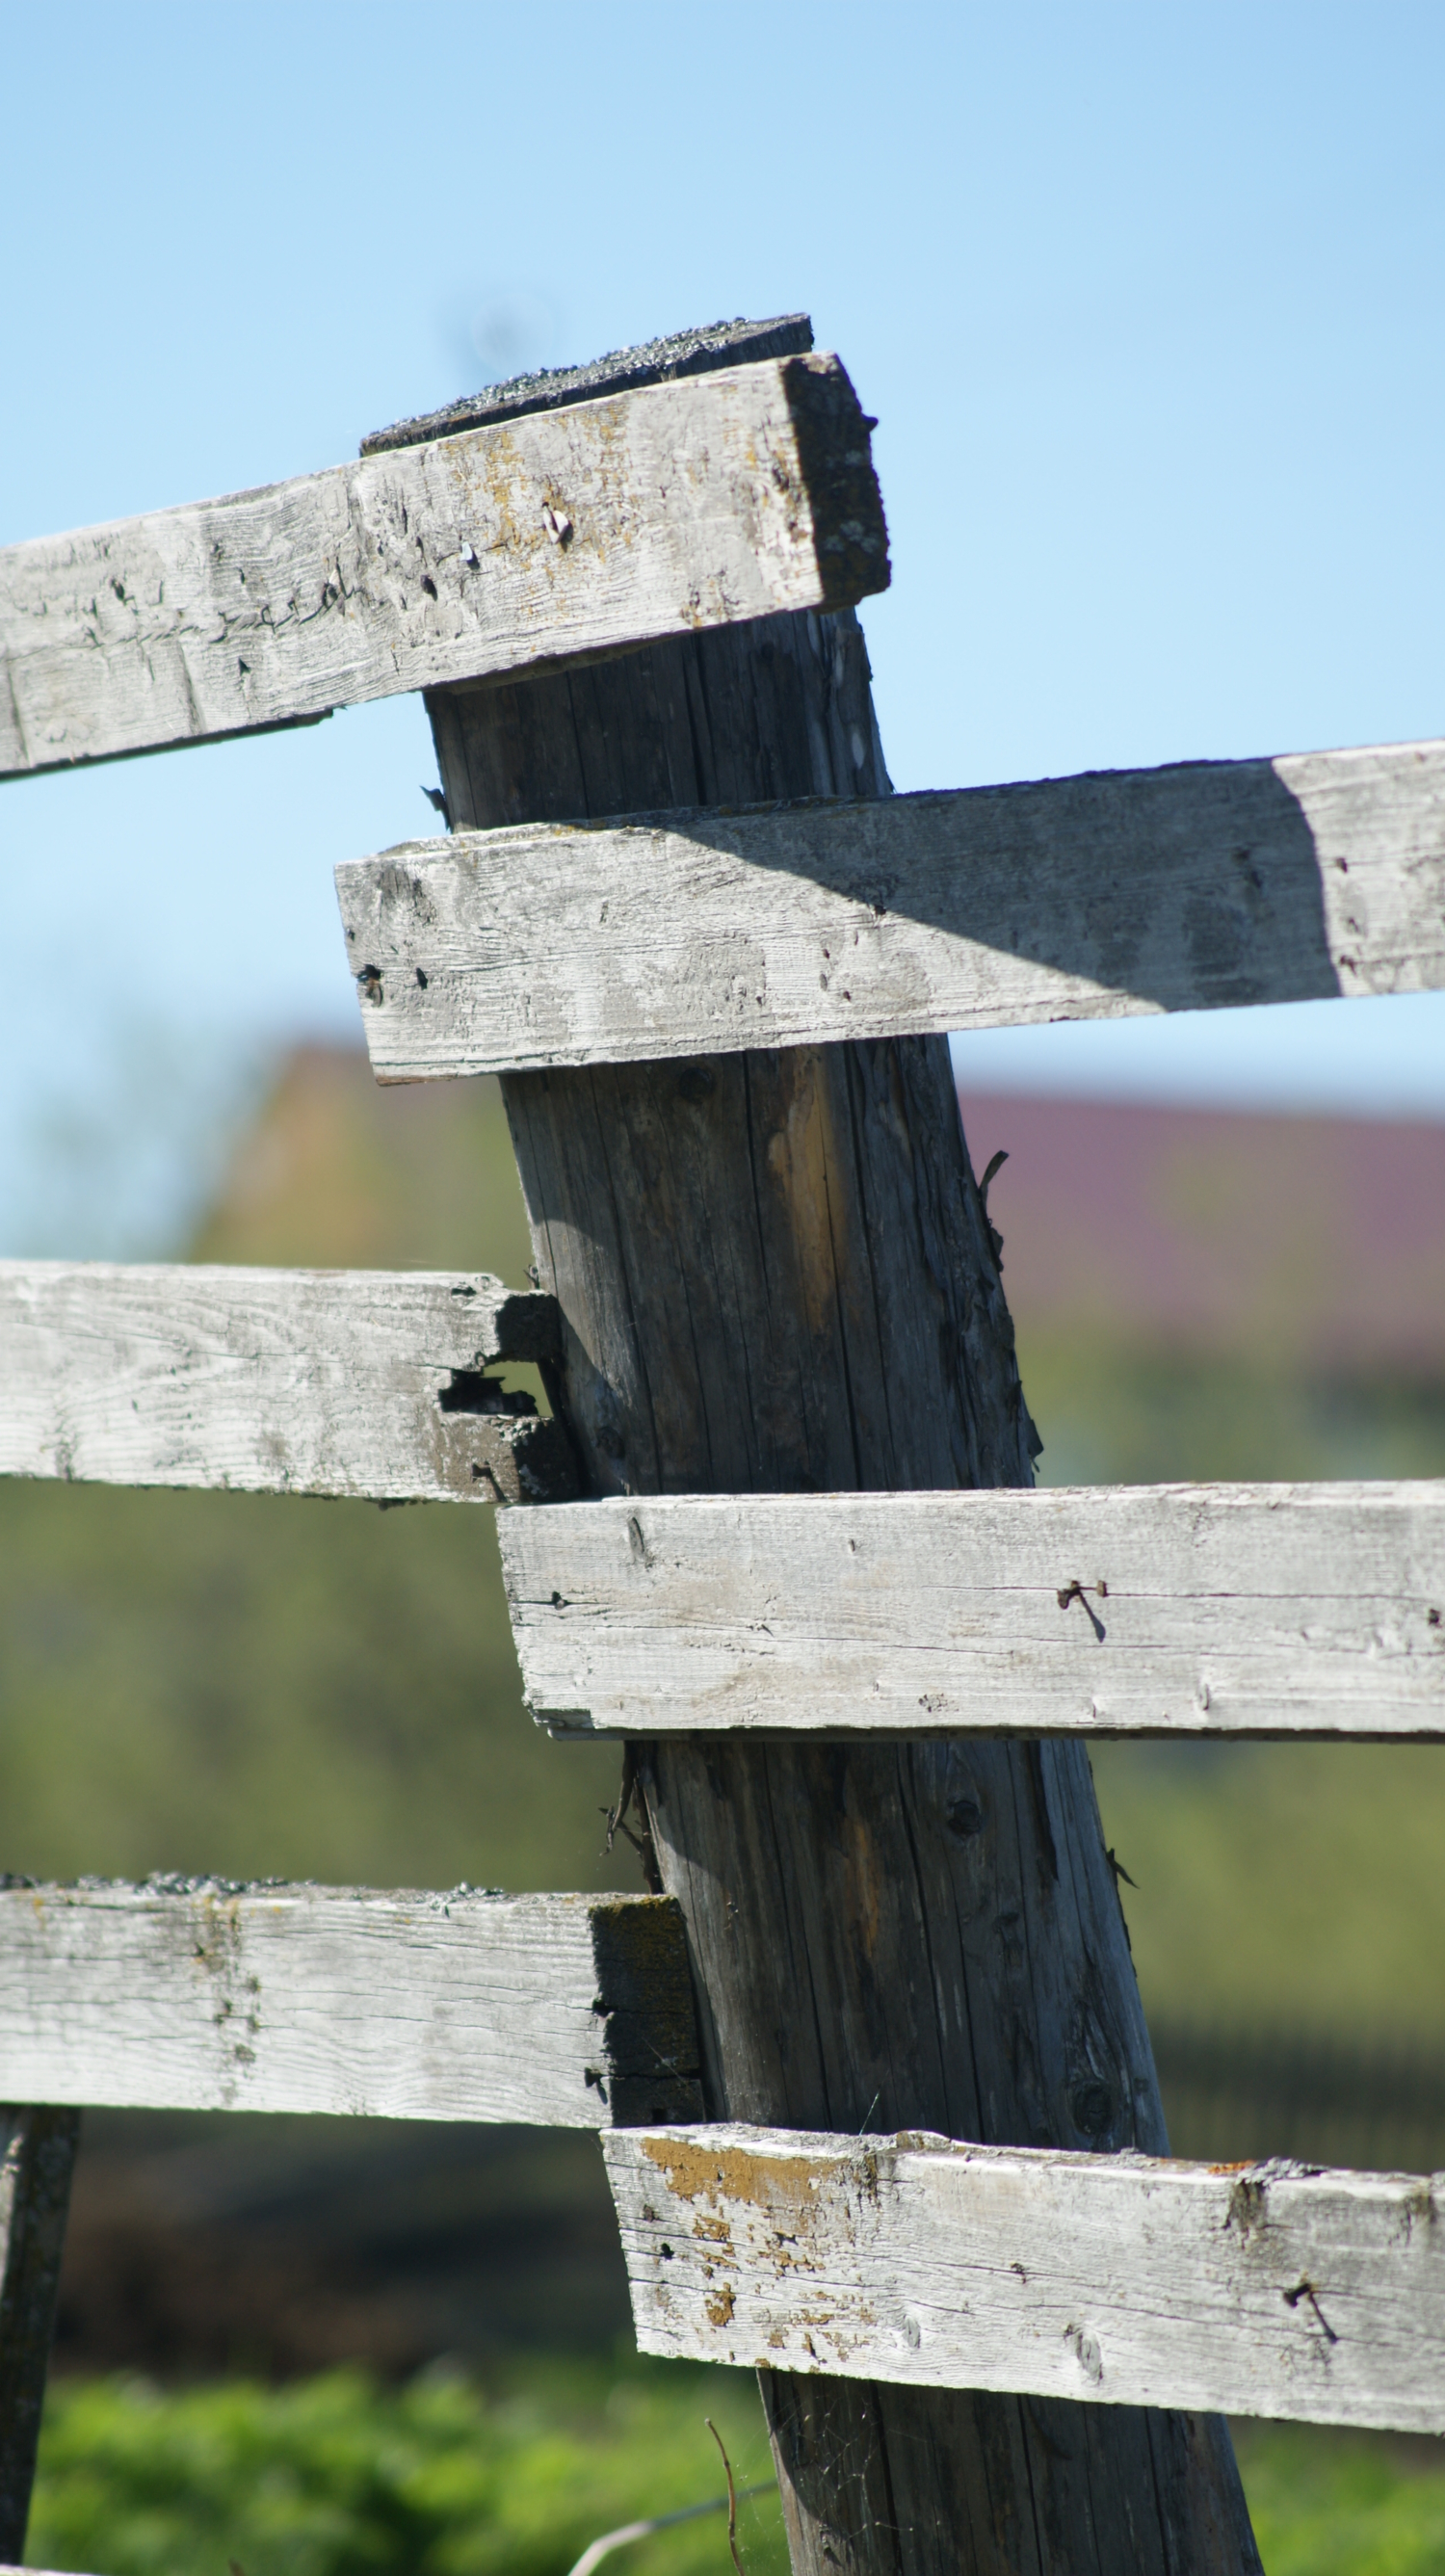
[[1215, 1293]]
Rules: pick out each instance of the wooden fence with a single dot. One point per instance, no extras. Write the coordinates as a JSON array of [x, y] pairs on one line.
[[675, 493]]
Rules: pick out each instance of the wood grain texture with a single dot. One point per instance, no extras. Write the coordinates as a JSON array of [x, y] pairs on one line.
[[562, 534], [1155, 1609], [37, 2159], [1080, 898], [775, 1274], [1271, 2289], [562, 2011], [368, 1383]]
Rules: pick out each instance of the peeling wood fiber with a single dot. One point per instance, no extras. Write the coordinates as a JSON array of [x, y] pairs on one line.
[[1155, 1609], [563, 534], [1270, 2289], [1183, 889], [556, 2011], [351, 1382]]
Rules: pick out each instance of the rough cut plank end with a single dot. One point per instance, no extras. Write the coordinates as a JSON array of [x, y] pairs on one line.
[[375, 1385]]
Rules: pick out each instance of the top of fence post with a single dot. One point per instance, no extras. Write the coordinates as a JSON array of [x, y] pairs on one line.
[[650, 362]]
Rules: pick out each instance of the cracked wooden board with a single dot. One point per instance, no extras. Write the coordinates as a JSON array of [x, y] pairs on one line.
[[1190, 888], [368, 1383], [1169, 1609], [561, 535], [1270, 2289], [203, 1995]]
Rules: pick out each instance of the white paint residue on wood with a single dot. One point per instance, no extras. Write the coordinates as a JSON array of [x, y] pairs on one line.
[[563, 533], [308, 1382], [207, 1997], [1270, 2289], [1078, 898], [1173, 1609]]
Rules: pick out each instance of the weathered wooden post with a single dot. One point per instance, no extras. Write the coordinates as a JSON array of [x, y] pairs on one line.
[[37, 2159], [775, 1275]]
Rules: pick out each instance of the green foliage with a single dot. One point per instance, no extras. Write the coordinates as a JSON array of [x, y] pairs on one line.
[[334, 2477], [268, 1687], [1326, 2503], [1113, 1412], [1284, 1884], [448, 2477]]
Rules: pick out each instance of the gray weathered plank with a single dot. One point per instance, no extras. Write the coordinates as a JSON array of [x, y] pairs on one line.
[[358, 1382], [1077, 898], [1272, 2289], [568, 2011], [563, 534], [37, 2159], [1204, 1610]]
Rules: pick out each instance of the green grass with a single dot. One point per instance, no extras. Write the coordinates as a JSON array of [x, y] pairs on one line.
[[1343, 2504], [266, 1687], [334, 2477]]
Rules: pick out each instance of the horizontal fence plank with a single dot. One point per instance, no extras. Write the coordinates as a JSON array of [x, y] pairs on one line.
[[1166, 1609], [354, 1382], [1125, 2280], [562, 535], [1076, 898], [565, 2011]]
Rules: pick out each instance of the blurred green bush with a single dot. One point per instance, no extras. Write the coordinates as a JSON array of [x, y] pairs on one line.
[[334, 2477], [451, 2477]]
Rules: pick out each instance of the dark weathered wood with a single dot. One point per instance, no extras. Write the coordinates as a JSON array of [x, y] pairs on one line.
[[775, 1275], [1272, 2289], [1097, 1610], [37, 2158], [1184, 889]]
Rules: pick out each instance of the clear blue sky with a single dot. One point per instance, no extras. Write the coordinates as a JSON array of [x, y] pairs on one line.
[[1147, 301]]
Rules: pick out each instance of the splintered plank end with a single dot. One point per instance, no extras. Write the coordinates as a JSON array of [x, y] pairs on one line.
[[378, 1385]]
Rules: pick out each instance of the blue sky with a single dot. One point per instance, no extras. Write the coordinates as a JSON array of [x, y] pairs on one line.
[[1147, 301]]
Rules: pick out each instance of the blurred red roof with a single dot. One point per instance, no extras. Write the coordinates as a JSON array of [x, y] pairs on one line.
[[1313, 1241]]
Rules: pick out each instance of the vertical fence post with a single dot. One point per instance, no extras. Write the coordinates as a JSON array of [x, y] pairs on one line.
[[776, 1275], [37, 2158]]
